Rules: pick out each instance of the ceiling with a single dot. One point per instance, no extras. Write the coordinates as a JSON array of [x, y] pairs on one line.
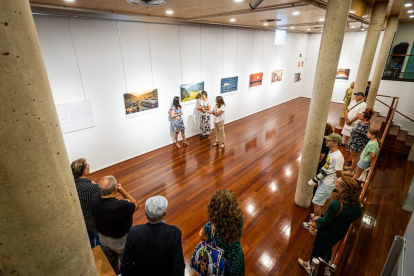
[[294, 16]]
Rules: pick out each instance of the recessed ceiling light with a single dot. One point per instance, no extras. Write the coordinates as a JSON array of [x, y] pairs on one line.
[[232, 19], [411, 16], [362, 29], [352, 11], [321, 19], [265, 24], [69, 0], [292, 27], [238, 0], [408, 5], [169, 12], [296, 13], [352, 27], [410, 11], [308, 29]]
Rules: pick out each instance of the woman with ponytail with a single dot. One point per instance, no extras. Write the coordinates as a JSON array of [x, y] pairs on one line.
[[358, 140], [369, 152]]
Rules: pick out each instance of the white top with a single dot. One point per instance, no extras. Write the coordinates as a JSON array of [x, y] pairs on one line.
[[203, 104], [353, 111], [218, 119], [334, 162]]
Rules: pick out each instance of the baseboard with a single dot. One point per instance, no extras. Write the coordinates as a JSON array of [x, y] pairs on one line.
[[188, 136]]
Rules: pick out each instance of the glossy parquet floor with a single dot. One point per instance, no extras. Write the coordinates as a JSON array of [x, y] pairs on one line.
[[260, 164]]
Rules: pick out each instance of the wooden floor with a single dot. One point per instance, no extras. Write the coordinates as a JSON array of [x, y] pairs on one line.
[[260, 164]]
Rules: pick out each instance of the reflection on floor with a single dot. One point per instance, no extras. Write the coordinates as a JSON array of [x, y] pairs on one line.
[[260, 164]]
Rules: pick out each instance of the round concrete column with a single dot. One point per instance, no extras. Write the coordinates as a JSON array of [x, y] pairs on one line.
[[371, 41], [42, 228], [382, 59], [329, 52]]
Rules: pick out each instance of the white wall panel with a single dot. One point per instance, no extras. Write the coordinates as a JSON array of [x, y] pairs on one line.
[[190, 44], [60, 56], [230, 46], [115, 60], [136, 56]]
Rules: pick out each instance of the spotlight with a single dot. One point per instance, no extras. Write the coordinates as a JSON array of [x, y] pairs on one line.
[[321, 19], [296, 13], [292, 27], [255, 3], [265, 24], [232, 19], [169, 12]]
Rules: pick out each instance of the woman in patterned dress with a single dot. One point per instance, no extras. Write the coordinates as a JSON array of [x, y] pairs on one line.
[[177, 122], [358, 140], [203, 107], [347, 99], [225, 227]]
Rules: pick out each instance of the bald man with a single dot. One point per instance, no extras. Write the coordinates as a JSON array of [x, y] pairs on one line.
[[113, 218]]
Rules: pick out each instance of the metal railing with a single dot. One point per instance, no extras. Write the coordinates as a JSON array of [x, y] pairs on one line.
[[332, 265]]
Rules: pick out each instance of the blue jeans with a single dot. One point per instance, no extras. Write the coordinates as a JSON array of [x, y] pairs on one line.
[[94, 239]]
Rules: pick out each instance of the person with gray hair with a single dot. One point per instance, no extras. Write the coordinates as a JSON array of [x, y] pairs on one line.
[[154, 248], [113, 218]]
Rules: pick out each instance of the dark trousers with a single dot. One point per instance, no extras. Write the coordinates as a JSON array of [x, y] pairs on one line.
[[94, 239]]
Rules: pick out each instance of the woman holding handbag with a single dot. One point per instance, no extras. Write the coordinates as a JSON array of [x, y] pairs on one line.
[[342, 211], [225, 228]]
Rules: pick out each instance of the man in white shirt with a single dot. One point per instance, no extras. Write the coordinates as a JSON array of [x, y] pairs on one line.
[[356, 107], [333, 169]]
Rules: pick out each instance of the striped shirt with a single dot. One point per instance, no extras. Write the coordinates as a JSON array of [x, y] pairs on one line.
[[86, 189]]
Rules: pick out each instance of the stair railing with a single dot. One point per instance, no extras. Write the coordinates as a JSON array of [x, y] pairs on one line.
[[392, 109]]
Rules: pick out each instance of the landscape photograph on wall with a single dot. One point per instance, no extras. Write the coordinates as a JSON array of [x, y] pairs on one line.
[[256, 79], [137, 102], [229, 85], [191, 91], [277, 76], [342, 74]]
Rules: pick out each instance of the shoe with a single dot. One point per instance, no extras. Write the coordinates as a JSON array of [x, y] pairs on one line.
[[311, 216], [201, 137], [306, 224], [177, 145], [215, 144], [348, 168], [222, 146], [206, 136], [185, 143], [348, 173], [349, 162], [307, 268]]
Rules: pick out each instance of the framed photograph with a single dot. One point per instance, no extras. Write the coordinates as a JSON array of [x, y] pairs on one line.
[[191, 92], [342, 74], [255, 80], [228, 86], [277, 76], [139, 103]]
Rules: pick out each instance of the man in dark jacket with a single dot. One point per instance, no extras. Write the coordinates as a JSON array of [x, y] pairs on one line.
[[153, 248]]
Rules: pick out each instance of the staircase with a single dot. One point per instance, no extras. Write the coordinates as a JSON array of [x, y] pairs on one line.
[[398, 140]]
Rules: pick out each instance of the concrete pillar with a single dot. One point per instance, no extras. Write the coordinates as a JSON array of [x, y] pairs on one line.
[[329, 52], [370, 46], [42, 228], [382, 59]]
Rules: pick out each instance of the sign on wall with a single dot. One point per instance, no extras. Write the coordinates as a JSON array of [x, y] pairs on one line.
[[75, 116], [190, 92], [255, 80], [276, 76], [228, 85], [139, 103]]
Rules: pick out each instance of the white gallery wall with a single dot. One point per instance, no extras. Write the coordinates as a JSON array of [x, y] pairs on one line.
[[101, 60], [350, 56]]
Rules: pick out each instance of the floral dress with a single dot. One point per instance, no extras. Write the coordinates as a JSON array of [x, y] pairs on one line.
[[359, 137], [177, 123], [347, 101], [233, 254], [205, 125]]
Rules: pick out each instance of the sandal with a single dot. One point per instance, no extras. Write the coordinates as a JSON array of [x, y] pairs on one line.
[[306, 267], [215, 144], [222, 147], [185, 143], [177, 145]]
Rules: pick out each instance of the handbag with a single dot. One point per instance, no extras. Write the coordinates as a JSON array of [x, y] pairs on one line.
[[313, 229], [207, 259]]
